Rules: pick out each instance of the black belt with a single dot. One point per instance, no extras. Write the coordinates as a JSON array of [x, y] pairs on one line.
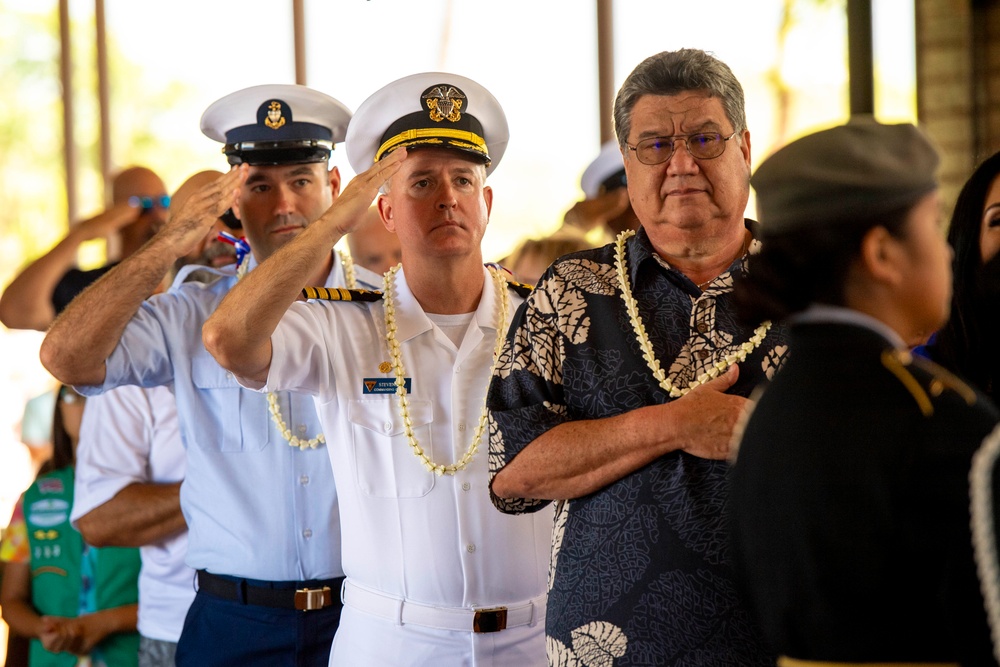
[[304, 596]]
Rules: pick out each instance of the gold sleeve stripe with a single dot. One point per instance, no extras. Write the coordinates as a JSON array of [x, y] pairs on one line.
[[891, 362], [340, 294]]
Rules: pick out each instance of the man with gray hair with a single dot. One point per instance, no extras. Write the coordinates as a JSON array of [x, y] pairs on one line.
[[634, 452]]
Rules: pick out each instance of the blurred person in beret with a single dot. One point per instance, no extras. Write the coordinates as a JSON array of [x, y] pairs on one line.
[[258, 495], [850, 492], [435, 575]]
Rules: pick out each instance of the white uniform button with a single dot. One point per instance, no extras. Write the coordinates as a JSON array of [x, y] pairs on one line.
[[387, 426], [466, 486], [304, 480], [470, 548], [302, 429], [229, 374], [461, 426], [307, 533]]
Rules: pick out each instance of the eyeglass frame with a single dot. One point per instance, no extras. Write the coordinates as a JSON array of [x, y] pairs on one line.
[[674, 138]]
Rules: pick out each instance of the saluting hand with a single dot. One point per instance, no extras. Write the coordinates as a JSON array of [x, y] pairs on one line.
[[188, 225], [348, 211]]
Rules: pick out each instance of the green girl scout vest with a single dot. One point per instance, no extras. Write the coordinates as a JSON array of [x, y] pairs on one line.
[[56, 559]]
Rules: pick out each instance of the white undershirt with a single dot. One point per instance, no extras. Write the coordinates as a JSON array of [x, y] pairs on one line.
[[452, 326]]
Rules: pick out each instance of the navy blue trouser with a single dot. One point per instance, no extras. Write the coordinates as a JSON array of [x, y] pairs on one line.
[[223, 633]]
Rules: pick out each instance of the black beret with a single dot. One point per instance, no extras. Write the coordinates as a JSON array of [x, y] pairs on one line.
[[861, 168]]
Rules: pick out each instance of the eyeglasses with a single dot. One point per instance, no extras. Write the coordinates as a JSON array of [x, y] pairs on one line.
[[146, 203], [702, 145]]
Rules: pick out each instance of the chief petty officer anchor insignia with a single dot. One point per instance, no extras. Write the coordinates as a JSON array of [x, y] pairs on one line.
[[274, 118]]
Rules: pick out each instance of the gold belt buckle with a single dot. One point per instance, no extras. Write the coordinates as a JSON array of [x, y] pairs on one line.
[[308, 599], [490, 620]]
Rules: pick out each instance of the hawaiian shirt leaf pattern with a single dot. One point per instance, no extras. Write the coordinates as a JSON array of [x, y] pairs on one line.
[[598, 644], [594, 645], [640, 571]]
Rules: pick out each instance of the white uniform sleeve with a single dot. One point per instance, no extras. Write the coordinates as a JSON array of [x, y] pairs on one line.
[[300, 357], [114, 447]]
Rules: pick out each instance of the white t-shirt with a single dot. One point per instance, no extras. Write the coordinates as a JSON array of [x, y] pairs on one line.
[[131, 435]]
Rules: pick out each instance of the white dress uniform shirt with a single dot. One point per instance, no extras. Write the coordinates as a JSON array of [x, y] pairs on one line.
[[255, 507], [131, 435], [408, 533]]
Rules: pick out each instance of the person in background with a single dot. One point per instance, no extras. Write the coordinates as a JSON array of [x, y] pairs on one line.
[[71, 599], [531, 257], [600, 217], [36, 427], [850, 489], [373, 247], [965, 344], [605, 212], [41, 291], [622, 379]]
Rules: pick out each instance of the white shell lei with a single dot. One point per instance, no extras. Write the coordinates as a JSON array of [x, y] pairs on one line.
[[984, 531], [349, 276], [647, 348], [272, 399], [388, 301]]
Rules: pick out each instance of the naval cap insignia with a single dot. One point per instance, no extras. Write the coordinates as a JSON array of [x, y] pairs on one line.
[[444, 101], [274, 118]]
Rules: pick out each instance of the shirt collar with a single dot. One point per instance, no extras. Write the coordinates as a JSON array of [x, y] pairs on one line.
[[411, 320], [824, 313], [640, 248]]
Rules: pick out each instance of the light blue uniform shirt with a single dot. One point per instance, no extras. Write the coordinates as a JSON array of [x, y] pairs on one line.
[[255, 506]]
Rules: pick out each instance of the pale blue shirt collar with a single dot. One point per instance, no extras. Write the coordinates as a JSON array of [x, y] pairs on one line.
[[821, 312]]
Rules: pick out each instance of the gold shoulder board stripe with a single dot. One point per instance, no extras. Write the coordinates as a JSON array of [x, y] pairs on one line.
[[341, 294], [948, 380], [892, 362], [521, 289]]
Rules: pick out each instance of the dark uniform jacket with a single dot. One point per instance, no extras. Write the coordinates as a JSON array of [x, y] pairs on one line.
[[850, 504]]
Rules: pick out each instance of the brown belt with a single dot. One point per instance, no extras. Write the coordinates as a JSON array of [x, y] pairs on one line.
[[307, 596]]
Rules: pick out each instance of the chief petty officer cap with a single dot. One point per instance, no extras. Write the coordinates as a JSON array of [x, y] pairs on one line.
[[605, 173], [432, 109], [861, 168], [276, 124]]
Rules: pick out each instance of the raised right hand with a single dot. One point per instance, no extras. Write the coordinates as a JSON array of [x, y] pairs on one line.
[[187, 226], [348, 210]]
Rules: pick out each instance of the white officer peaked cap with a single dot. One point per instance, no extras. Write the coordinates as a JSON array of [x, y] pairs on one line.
[[432, 109], [605, 173], [276, 124]]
